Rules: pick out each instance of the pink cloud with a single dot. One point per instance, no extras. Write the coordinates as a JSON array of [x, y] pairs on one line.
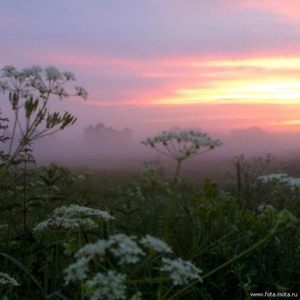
[[286, 8], [184, 80]]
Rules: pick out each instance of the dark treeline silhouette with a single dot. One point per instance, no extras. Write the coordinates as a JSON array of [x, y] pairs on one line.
[[102, 134]]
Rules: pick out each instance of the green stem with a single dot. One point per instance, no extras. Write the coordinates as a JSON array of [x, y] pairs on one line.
[[262, 241], [171, 200], [179, 161], [168, 215], [12, 139], [25, 192]]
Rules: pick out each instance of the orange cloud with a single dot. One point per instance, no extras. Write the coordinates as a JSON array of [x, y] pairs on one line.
[[285, 125], [190, 80], [254, 80], [291, 122]]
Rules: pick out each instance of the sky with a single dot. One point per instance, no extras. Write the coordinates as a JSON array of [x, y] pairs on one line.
[[216, 65]]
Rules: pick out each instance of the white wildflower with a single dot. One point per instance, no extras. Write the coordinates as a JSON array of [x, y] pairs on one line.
[[69, 76], [5, 279], [3, 86], [31, 81], [181, 145], [65, 223], [33, 72], [9, 71], [125, 249], [52, 73], [291, 181], [78, 270], [42, 226], [81, 177], [122, 249], [83, 210], [272, 177], [281, 178], [135, 193], [73, 216], [180, 271], [155, 244], [110, 285], [90, 250]]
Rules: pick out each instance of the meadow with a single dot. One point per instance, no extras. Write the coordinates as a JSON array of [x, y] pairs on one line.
[[189, 229], [243, 241]]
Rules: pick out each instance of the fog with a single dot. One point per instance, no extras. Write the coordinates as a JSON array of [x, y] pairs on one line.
[[110, 137], [100, 146]]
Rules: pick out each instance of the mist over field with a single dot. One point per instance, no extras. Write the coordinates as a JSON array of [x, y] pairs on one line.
[[110, 148]]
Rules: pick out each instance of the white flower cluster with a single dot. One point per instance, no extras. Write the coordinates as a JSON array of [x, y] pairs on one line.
[[183, 144], [125, 250], [4, 86], [180, 271], [72, 217], [47, 80], [272, 177], [110, 285], [11, 71], [135, 193], [53, 74], [155, 244], [78, 270], [281, 178], [5, 279], [292, 182]]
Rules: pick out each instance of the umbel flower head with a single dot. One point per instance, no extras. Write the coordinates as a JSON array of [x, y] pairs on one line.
[[182, 144], [7, 280], [125, 251], [28, 81], [72, 217]]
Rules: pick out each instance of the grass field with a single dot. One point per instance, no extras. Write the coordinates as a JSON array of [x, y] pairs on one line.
[[220, 233]]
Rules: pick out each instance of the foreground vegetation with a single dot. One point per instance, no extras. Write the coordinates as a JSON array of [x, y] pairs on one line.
[[71, 235]]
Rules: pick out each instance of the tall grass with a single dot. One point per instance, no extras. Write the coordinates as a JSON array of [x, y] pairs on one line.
[[239, 250]]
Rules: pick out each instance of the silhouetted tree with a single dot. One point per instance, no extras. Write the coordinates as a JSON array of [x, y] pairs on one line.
[[102, 134]]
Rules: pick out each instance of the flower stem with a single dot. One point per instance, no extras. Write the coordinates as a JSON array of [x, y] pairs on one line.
[[245, 252], [179, 161]]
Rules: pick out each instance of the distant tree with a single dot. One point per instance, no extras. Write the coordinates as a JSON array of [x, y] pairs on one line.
[[102, 134], [249, 132], [175, 128]]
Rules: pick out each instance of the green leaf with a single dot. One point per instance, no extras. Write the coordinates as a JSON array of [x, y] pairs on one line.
[[24, 269]]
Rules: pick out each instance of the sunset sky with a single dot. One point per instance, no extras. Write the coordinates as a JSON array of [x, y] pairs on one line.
[[217, 65]]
